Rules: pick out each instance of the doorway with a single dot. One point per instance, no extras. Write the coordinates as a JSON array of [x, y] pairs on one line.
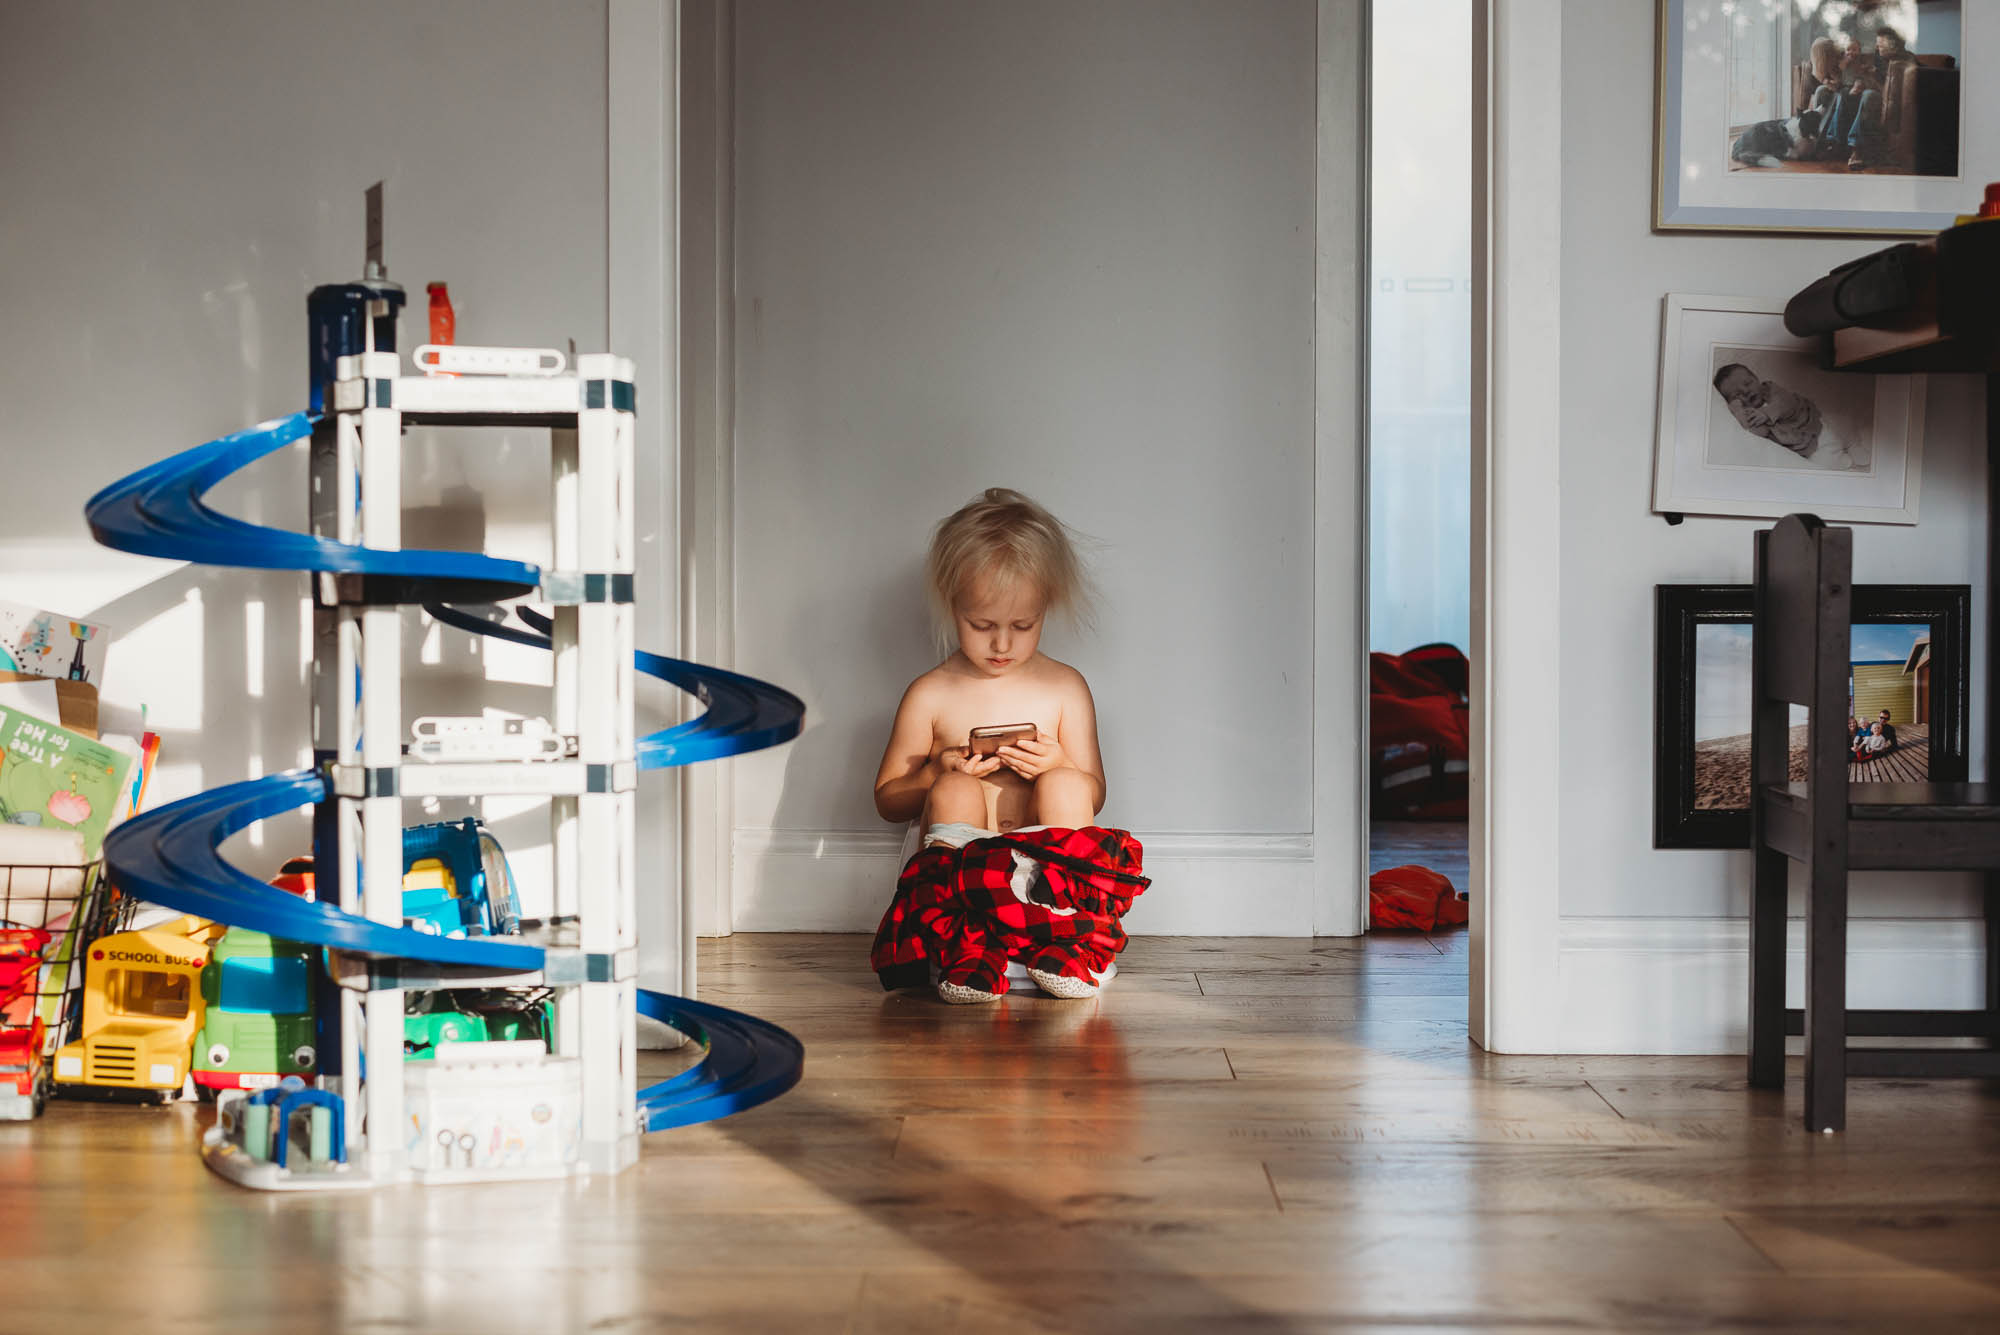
[[1419, 443]]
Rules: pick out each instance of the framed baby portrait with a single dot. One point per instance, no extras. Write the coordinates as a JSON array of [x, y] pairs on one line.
[[1749, 424], [1843, 116], [1909, 661]]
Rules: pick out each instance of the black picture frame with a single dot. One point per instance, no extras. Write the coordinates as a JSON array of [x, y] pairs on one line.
[[1680, 609]]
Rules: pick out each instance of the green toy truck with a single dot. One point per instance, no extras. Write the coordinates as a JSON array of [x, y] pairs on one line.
[[476, 1015], [257, 1027]]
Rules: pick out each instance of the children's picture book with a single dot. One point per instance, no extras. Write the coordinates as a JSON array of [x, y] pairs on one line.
[[55, 778], [49, 644]]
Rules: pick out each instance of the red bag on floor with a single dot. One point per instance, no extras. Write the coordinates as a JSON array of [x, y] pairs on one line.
[[1414, 897], [1419, 738]]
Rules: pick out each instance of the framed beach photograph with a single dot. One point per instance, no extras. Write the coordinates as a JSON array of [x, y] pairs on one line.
[[1845, 116], [1907, 693], [1749, 424]]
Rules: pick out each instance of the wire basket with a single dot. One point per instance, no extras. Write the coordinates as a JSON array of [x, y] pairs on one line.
[[74, 904]]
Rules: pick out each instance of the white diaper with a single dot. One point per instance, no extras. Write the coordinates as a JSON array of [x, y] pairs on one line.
[[952, 834], [955, 834]]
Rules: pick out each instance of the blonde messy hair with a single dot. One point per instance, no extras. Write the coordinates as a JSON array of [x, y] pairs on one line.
[[1004, 537]]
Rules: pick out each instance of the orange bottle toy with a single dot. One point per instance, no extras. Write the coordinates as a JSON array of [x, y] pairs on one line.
[[444, 325]]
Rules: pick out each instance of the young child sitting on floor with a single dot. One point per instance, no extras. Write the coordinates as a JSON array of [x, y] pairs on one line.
[[996, 569]]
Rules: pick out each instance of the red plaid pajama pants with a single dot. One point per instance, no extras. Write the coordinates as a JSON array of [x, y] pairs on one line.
[[1051, 899]]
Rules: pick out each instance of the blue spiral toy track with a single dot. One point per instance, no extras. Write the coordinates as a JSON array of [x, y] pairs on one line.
[[171, 855]]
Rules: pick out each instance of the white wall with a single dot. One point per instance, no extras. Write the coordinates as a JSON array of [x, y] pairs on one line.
[[1066, 248], [177, 178], [1653, 954]]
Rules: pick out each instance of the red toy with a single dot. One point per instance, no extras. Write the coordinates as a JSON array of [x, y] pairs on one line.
[[24, 1077], [1419, 734], [1414, 897], [296, 877]]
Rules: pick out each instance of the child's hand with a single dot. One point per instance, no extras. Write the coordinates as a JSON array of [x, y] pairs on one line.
[[1032, 759], [960, 759]]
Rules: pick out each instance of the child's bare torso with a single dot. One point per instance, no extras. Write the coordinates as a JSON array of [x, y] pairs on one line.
[[1038, 693]]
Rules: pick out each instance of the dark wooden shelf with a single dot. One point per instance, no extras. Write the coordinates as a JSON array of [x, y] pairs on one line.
[[1907, 801], [1916, 350], [1800, 650], [1897, 826]]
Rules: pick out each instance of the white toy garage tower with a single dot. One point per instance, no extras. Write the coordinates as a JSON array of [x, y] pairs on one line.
[[359, 729]]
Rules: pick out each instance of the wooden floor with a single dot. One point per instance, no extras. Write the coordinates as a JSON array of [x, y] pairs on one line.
[[1273, 1135], [1439, 845]]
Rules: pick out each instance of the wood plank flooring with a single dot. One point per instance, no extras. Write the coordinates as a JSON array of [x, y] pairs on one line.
[[1272, 1135], [1439, 845]]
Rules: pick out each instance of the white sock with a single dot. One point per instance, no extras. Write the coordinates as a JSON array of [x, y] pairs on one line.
[[1072, 989], [959, 995]]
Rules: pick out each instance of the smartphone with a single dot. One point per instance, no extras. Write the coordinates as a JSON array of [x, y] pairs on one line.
[[988, 740]]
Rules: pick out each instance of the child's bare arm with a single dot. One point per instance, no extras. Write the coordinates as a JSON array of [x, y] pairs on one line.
[[907, 771], [1077, 734]]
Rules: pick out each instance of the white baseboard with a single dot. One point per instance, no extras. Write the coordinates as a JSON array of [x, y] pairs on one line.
[[1681, 985], [1203, 884]]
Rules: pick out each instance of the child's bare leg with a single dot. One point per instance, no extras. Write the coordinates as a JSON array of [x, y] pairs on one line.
[[956, 797], [1063, 799]]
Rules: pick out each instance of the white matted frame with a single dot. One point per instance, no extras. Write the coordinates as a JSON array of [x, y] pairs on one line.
[[1694, 188], [1706, 463]]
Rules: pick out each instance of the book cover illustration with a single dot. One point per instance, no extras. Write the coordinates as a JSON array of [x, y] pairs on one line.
[[49, 644], [51, 776]]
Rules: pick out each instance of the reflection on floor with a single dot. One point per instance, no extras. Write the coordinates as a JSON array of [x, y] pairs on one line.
[[1278, 1135]]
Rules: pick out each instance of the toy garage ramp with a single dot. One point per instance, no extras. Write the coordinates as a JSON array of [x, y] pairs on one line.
[[741, 714], [159, 511], [171, 856]]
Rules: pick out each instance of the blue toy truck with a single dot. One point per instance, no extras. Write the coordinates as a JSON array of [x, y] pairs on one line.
[[456, 881]]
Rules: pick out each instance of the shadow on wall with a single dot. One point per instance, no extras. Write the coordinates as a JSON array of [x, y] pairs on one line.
[[250, 712], [880, 641]]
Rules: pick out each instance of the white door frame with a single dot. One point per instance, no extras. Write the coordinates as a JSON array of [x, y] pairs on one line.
[[1340, 473], [641, 307], [708, 423], [1516, 523], [1338, 838]]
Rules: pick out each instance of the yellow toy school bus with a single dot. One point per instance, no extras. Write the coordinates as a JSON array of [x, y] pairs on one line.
[[142, 1004]]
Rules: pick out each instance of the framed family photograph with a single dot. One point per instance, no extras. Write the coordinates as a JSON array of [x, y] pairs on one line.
[[1909, 665], [1749, 423], [1843, 116]]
